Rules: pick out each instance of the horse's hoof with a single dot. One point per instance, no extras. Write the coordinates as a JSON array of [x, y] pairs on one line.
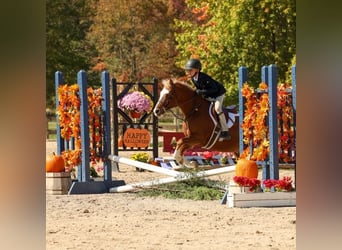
[[193, 164], [190, 164]]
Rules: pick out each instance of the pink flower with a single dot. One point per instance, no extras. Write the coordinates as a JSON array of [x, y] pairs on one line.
[[137, 101]]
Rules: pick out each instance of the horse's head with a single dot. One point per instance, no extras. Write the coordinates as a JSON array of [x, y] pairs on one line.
[[167, 98]]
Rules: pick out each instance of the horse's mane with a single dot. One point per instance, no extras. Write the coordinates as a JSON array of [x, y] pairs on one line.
[[167, 83]]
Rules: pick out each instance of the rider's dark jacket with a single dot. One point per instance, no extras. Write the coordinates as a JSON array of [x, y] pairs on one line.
[[208, 87]]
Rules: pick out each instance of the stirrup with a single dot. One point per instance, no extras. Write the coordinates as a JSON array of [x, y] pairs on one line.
[[225, 135]]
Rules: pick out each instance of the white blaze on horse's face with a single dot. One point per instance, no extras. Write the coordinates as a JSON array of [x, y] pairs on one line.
[[162, 94]]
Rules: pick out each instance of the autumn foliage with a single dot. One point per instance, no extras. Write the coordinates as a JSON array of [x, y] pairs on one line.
[[255, 128], [69, 122]]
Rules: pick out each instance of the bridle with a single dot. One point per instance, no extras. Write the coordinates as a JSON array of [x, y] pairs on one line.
[[187, 116]]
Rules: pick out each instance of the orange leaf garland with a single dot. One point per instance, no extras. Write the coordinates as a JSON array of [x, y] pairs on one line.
[[254, 122], [69, 120]]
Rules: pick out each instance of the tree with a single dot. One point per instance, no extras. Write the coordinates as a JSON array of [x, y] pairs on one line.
[[67, 22], [228, 34], [135, 38]]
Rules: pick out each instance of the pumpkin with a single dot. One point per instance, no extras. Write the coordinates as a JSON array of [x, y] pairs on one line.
[[120, 141], [247, 168], [55, 163], [154, 162]]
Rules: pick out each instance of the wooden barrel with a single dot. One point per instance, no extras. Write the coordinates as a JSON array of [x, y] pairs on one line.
[[58, 183]]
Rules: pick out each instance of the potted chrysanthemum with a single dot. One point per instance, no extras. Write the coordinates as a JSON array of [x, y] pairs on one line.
[[136, 102], [142, 157]]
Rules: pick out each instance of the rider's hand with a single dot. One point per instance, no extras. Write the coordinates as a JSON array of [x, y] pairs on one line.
[[200, 91]]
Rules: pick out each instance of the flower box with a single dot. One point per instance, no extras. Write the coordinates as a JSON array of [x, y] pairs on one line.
[[234, 188], [262, 199]]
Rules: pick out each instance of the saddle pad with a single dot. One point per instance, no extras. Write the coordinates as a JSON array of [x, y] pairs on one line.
[[231, 119]]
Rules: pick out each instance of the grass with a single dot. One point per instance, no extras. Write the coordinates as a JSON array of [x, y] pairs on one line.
[[193, 189], [52, 125], [182, 190], [52, 137]]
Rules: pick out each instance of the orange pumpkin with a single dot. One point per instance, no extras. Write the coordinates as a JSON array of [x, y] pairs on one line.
[[55, 163], [155, 163], [120, 141], [247, 168]]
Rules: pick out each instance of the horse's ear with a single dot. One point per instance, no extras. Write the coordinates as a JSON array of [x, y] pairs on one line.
[[167, 83]]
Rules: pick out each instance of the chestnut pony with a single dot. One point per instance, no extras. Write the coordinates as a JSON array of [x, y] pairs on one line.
[[200, 121]]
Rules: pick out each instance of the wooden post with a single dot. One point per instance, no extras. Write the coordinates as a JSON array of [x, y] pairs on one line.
[[265, 165], [115, 121], [155, 120], [264, 74], [242, 79], [107, 164], [84, 171], [294, 106], [59, 139], [273, 122]]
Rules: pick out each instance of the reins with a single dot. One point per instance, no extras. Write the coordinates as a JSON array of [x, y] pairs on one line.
[[175, 115], [187, 116]]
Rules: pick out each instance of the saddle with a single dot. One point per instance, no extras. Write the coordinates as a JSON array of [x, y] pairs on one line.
[[230, 113]]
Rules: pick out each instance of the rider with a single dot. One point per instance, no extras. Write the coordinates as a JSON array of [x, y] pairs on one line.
[[210, 90]]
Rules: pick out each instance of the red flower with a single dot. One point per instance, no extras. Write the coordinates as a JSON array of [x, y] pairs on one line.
[[207, 155], [284, 184], [252, 183], [269, 183]]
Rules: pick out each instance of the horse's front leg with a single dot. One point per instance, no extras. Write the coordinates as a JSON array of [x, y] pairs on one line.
[[179, 151], [182, 145]]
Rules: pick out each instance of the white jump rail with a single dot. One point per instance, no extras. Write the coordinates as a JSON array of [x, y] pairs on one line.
[[176, 176], [133, 186], [143, 165]]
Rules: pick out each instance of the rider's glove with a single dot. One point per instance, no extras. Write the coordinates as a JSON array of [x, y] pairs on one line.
[[200, 91]]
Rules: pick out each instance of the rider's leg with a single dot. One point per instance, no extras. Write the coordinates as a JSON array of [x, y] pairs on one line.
[[224, 133], [222, 119]]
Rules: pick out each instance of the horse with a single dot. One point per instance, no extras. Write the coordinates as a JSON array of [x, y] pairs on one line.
[[200, 125]]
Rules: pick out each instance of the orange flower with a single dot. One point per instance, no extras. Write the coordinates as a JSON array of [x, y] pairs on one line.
[[263, 86]]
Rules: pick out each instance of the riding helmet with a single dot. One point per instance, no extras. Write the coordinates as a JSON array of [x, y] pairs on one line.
[[193, 64]]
